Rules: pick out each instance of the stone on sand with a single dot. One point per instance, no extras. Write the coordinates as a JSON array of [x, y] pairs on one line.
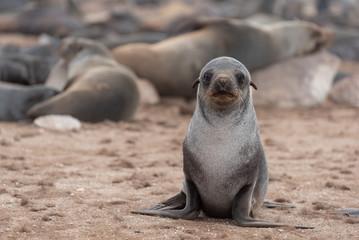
[[58, 122]]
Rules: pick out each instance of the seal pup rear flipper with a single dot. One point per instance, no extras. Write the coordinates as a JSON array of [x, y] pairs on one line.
[[349, 212], [180, 206], [276, 204], [242, 208]]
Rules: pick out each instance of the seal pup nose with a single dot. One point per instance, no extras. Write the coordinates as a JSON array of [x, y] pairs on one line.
[[222, 82]]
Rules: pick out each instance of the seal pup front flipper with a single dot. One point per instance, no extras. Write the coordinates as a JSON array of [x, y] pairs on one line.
[[241, 211], [174, 203], [170, 208]]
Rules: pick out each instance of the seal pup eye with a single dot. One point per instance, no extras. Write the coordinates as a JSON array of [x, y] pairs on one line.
[[207, 77], [240, 77]]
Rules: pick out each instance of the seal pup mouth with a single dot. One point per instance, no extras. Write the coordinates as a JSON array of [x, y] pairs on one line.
[[223, 88], [222, 93], [222, 99]]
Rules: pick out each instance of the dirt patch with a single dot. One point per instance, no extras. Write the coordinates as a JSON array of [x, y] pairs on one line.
[[82, 185]]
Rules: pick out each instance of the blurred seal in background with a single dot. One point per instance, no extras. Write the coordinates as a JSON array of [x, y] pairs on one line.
[[172, 63], [97, 87], [16, 99]]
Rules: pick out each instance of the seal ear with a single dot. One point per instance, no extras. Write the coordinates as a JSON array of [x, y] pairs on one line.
[[253, 85], [77, 46], [195, 83]]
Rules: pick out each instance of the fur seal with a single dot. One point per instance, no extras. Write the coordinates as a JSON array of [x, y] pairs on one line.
[[16, 99], [224, 164], [41, 19], [24, 69], [97, 87], [172, 64]]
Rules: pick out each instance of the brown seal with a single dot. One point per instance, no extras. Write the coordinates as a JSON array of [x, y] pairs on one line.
[[97, 87], [224, 164], [172, 64]]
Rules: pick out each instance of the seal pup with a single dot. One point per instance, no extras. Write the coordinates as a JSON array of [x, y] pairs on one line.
[[224, 164], [173, 63], [97, 87], [16, 99]]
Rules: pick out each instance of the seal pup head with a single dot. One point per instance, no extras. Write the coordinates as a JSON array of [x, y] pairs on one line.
[[224, 82], [71, 47]]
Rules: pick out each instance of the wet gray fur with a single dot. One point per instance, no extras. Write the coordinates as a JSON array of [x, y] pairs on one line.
[[222, 150], [16, 99]]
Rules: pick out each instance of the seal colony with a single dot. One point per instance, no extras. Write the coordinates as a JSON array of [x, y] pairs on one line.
[[172, 64], [97, 87], [224, 164]]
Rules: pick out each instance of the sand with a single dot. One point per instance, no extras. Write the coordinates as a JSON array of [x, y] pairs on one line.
[[83, 184]]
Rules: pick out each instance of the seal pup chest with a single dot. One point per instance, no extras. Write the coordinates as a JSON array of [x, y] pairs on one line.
[[216, 153], [216, 163]]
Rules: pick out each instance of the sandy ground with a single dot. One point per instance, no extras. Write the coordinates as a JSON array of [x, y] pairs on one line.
[[82, 185]]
